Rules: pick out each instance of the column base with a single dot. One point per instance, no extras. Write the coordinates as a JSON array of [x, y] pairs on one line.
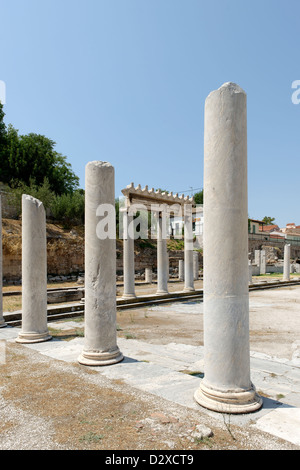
[[98, 358], [33, 337], [2, 324], [162, 292], [128, 296], [189, 289], [233, 402]]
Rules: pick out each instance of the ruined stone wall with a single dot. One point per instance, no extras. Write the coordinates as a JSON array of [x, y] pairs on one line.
[[272, 248], [65, 253]]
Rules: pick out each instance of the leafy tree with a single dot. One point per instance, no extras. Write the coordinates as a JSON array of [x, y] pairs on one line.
[[268, 220], [3, 141], [42, 192], [198, 197], [31, 158]]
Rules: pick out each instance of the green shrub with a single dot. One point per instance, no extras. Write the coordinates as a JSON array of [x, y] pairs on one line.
[[69, 208]]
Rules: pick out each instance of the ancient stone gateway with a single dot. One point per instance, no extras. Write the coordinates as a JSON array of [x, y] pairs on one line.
[[160, 204], [226, 386]]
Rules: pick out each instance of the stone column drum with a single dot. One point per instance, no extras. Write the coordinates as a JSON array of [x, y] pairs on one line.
[[100, 346], [148, 275], [2, 321], [250, 271], [128, 257], [188, 249], [34, 272], [181, 270], [196, 265], [263, 262], [257, 258], [286, 263], [226, 386], [162, 255]]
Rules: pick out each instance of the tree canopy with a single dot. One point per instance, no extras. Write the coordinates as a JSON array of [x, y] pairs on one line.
[[268, 220], [31, 158], [198, 197]]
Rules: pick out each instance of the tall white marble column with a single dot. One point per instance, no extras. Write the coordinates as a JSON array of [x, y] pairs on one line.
[[188, 249], [34, 272], [162, 255], [287, 263], [226, 386], [128, 256], [100, 341], [2, 321]]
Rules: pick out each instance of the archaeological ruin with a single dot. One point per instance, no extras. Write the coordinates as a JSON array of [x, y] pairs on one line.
[[229, 263]]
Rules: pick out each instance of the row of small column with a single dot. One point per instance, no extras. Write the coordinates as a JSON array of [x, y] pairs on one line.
[[188, 269], [100, 347], [227, 385]]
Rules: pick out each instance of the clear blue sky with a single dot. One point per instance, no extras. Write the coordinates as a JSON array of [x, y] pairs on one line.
[[125, 81]]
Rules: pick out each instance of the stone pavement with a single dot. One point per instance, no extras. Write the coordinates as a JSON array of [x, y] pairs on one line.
[[174, 372]]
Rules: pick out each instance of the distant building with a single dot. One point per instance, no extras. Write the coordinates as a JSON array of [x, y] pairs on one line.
[[176, 224], [254, 225], [269, 228], [292, 232]]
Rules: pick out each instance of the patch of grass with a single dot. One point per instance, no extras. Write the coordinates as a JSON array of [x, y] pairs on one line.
[[80, 333], [129, 336], [91, 437], [175, 245], [204, 441], [66, 335], [263, 394], [12, 303], [193, 373], [146, 244], [53, 331]]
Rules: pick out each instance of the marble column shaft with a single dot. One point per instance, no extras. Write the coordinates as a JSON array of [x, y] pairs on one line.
[[100, 342], [257, 258], [250, 271], [188, 249], [148, 275], [286, 263], [226, 386], [162, 255], [128, 256], [263, 262], [181, 270], [34, 272], [196, 265]]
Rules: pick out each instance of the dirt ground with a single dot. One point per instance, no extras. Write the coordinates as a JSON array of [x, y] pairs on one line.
[[49, 404], [274, 322]]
